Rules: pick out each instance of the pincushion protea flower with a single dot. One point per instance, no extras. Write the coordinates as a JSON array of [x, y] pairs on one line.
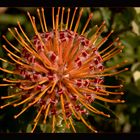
[[60, 71]]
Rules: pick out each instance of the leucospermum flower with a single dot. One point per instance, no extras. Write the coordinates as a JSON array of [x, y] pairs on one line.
[[60, 72]]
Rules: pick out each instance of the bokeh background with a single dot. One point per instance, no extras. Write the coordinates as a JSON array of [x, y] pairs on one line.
[[126, 25]]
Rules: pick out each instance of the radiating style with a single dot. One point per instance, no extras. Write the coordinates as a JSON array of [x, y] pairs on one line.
[[60, 71]]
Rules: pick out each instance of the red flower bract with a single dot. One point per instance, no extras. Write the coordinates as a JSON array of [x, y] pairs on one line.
[[60, 71]]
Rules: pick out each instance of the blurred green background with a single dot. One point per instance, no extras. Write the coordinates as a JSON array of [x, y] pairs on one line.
[[126, 24]]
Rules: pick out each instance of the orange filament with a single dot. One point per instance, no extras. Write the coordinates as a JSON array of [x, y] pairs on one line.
[[40, 95], [71, 107], [112, 86], [41, 23], [53, 18], [11, 96], [62, 15], [8, 71], [67, 19], [53, 123], [22, 102], [95, 36], [111, 51], [60, 54], [109, 100], [73, 17], [27, 99], [75, 91], [111, 74], [63, 109], [101, 26], [20, 63], [92, 109], [89, 126], [44, 20], [74, 49], [53, 86], [9, 103], [38, 114], [58, 11], [46, 113], [37, 33], [105, 70], [11, 44], [104, 40], [11, 52], [15, 81], [24, 34], [56, 45], [6, 61], [114, 93], [87, 75], [98, 111], [28, 88], [89, 107], [32, 19], [22, 42], [22, 111], [74, 130], [68, 48], [87, 90], [39, 68], [113, 67], [86, 63], [113, 54], [35, 124], [109, 46], [2, 85], [43, 81], [86, 24], [78, 20], [37, 118], [25, 46]]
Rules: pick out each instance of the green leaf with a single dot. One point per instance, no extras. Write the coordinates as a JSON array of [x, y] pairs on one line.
[[135, 27], [106, 13], [133, 95], [122, 20], [80, 127], [97, 18], [135, 66], [43, 127], [11, 19], [29, 128], [1, 76], [137, 79], [138, 53], [131, 42], [137, 20]]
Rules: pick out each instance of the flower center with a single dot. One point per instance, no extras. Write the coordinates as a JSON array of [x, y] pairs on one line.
[[61, 73]]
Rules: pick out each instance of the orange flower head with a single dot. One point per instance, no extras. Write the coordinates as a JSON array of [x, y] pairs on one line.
[[60, 72]]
